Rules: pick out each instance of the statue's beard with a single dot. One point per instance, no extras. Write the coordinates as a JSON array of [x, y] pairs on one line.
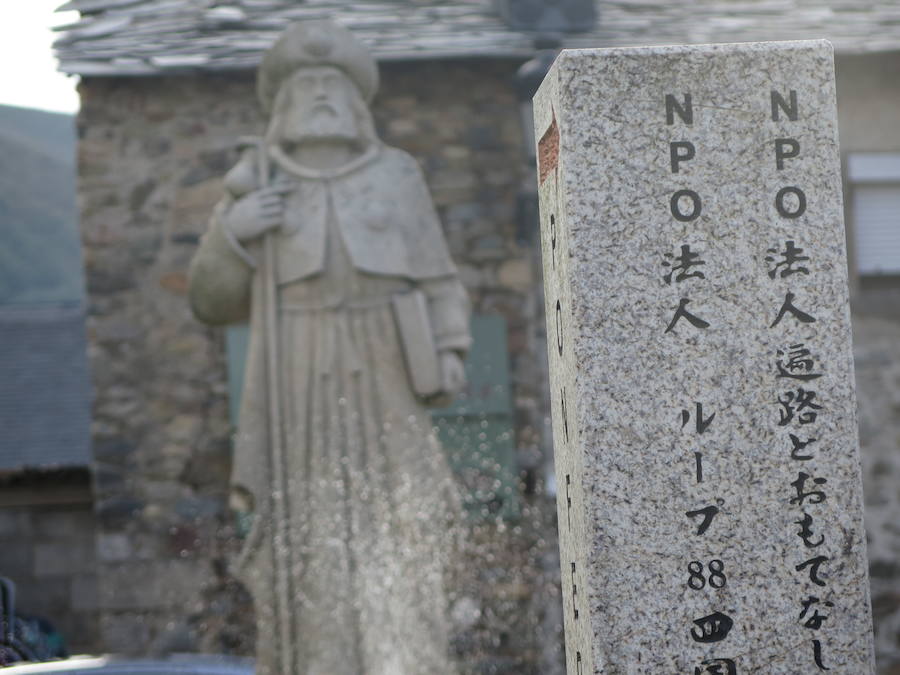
[[322, 123]]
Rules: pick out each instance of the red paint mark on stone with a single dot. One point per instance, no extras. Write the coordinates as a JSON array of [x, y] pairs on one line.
[[548, 151], [175, 282]]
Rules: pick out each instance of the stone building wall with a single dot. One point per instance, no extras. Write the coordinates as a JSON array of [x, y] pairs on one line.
[[152, 155], [151, 158], [877, 355], [47, 551], [868, 88]]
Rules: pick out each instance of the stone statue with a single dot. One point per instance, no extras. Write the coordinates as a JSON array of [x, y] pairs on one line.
[[328, 241]]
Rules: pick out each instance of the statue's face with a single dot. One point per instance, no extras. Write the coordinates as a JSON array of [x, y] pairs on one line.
[[318, 106]]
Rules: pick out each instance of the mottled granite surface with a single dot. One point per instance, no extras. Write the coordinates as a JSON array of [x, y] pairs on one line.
[[696, 283]]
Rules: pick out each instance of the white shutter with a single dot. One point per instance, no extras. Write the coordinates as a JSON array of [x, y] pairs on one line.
[[876, 223], [873, 167]]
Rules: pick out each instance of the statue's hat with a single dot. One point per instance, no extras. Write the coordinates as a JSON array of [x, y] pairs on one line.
[[315, 43]]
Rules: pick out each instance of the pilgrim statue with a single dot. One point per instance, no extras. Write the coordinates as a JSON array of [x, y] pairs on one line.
[[327, 240]]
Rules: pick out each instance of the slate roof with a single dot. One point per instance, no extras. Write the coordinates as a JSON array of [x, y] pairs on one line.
[[45, 396], [133, 37]]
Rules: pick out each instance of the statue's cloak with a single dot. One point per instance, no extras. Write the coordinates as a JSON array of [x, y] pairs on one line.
[[385, 216], [381, 206]]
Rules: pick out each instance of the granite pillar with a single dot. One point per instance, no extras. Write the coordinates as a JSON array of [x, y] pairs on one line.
[[704, 412]]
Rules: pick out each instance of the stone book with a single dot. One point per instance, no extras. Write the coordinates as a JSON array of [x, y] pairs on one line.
[[417, 338]]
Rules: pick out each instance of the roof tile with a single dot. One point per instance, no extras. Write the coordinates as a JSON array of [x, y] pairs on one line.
[[163, 34]]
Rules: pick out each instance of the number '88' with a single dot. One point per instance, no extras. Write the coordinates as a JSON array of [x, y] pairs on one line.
[[716, 576]]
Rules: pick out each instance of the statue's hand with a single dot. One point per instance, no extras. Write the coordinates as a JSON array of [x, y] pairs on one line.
[[256, 213], [453, 373]]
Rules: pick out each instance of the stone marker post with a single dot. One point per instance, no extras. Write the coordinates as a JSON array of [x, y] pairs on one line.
[[704, 416]]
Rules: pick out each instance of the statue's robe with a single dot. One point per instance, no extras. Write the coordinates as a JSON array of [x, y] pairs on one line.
[[371, 504]]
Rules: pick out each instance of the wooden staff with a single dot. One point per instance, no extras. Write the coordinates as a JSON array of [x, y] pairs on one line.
[[281, 550]]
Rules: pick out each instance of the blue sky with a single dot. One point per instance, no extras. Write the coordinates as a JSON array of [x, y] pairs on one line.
[[28, 76]]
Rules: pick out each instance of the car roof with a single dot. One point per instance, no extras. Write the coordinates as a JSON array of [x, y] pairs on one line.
[[193, 664]]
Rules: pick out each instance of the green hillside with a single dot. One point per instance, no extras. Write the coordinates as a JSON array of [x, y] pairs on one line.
[[40, 254]]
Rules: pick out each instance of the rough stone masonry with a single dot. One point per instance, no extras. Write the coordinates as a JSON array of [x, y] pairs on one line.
[[704, 413]]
